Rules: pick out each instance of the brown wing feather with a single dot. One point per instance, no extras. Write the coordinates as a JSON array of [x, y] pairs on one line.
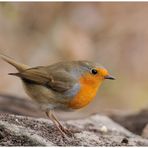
[[58, 80]]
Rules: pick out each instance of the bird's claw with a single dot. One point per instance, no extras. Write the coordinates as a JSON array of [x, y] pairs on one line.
[[67, 131]]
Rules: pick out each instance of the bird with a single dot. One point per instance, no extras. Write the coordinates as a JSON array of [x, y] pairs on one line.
[[67, 85]]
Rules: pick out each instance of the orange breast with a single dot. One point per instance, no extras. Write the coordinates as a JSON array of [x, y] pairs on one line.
[[89, 86]]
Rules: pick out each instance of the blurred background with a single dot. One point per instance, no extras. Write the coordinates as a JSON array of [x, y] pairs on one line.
[[113, 34]]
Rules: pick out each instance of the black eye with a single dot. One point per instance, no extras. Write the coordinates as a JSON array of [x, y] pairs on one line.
[[94, 71]]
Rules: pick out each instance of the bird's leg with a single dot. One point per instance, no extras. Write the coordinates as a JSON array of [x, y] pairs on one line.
[[65, 130], [50, 116]]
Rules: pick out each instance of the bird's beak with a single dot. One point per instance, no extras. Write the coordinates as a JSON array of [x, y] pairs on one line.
[[109, 77]]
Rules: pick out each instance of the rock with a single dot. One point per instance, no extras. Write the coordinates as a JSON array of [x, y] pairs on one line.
[[95, 130], [19, 106], [133, 122], [145, 132]]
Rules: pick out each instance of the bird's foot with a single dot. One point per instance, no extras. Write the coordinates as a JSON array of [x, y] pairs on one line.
[[66, 131]]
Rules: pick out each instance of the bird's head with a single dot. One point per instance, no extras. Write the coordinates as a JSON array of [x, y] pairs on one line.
[[101, 73], [94, 73]]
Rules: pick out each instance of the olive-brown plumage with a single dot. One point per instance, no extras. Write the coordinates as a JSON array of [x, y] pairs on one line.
[[66, 85]]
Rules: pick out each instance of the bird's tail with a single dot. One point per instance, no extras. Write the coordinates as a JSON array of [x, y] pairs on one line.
[[17, 65]]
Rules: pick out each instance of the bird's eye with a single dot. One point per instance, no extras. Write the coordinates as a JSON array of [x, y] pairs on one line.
[[94, 71]]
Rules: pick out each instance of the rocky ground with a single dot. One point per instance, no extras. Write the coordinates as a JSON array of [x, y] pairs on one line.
[[95, 130]]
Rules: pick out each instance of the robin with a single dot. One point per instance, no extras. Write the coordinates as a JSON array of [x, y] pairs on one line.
[[67, 85]]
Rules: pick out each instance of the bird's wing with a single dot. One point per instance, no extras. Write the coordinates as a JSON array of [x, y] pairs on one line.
[[59, 81]]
